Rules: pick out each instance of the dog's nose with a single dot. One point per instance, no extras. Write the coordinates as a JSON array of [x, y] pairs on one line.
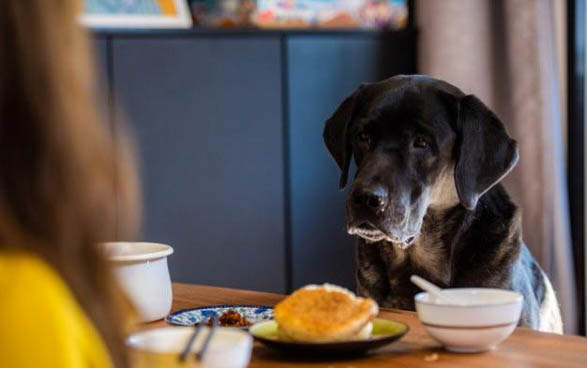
[[373, 198]]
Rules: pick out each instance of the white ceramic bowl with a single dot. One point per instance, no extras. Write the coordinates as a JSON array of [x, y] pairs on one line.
[[161, 347], [143, 273], [487, 317]]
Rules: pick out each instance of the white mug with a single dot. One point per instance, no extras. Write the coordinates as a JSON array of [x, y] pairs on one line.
[[142, 270]]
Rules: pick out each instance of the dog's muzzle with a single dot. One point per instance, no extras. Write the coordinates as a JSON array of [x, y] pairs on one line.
[[373, 235]]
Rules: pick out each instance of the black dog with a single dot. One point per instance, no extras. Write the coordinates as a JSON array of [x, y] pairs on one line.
[[426, 198]]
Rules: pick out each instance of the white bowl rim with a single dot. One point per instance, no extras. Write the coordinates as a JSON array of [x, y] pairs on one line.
[[137, 339], [158, 250], [516, 298]]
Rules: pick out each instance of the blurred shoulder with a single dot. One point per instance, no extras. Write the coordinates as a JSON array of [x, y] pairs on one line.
[[34, 295], [38, 305], [25, 275]]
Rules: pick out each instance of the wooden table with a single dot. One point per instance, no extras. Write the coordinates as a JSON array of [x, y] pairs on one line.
[[525, 348]]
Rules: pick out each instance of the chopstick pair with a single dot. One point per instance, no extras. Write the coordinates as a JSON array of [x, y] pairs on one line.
[[200, 353]]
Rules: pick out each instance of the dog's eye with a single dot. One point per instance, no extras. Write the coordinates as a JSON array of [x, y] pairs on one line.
[[364, 138], [421, 142]]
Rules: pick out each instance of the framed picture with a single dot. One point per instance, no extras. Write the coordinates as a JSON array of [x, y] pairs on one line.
[[136, 14]]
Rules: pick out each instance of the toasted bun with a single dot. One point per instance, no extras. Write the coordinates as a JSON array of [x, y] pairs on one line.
[[324, 313]]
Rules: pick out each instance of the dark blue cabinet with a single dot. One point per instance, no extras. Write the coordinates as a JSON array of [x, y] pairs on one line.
[[101, 61], [207, 118], [228, 127]]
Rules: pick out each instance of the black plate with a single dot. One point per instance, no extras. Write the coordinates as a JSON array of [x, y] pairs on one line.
[[384, 332]]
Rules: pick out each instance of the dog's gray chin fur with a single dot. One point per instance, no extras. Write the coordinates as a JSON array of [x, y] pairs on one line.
[[374, 236]]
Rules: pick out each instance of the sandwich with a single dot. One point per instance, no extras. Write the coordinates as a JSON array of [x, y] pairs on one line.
[[325, 313]]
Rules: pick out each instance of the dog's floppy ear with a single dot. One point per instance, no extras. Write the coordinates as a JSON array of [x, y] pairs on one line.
[[336, 135], [485, 152]]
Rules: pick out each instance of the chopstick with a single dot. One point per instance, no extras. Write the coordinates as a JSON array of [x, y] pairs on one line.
[[200, 354], [188, 347]]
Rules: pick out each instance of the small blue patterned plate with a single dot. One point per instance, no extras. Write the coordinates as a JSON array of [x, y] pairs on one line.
[[189, 317]]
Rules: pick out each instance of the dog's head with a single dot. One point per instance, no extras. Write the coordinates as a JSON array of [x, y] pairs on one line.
[[419, 144]]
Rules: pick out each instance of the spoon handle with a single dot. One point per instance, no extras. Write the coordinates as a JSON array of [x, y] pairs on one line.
[[426, 285]]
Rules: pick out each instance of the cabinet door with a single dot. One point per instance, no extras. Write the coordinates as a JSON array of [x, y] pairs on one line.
[[102, 95], [101, 64], [208, 121], [323, 71]]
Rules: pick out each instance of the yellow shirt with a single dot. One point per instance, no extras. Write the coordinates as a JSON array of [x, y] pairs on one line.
[[41, 323]]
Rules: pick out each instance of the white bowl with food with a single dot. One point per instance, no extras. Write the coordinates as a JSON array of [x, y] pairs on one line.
[[143, 272], [470, 320], [162, 347]]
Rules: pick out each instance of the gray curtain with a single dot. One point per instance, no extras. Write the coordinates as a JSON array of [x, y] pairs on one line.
[[505, 52]]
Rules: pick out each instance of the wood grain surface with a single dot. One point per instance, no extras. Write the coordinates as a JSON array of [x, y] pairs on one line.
[[525, 348]]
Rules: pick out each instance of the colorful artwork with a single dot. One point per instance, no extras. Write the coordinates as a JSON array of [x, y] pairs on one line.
[[332, 13], [136, 13], [301, 13], [137, 7]]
